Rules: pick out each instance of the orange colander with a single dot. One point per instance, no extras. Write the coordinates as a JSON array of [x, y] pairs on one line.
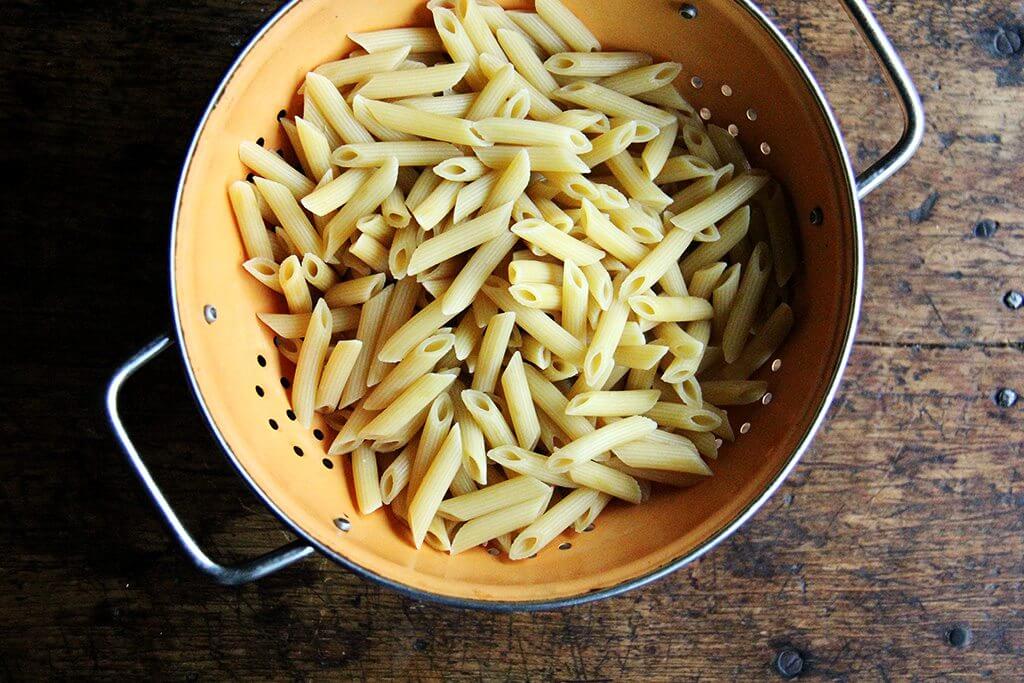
[[739, 71]]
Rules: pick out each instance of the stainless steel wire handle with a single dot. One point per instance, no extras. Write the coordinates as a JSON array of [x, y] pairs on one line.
[[228, 575], [909, 99]]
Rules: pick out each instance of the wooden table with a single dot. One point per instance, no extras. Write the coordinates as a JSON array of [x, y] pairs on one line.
[[895, 549]]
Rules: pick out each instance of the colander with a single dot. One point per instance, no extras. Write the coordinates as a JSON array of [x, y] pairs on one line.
[[740, 72]]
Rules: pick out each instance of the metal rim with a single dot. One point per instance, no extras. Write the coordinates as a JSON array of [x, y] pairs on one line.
[[637, 582]]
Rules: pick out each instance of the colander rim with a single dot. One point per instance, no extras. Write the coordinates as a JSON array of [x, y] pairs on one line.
[[821, 411]]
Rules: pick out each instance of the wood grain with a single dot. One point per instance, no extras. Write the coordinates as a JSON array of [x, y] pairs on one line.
[[903, 521]]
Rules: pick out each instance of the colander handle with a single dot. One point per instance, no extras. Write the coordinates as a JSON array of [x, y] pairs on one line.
[[228, 575], [900, 81]]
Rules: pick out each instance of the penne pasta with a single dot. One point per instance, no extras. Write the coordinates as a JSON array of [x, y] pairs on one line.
[[275, 169], [416, 39], [555, 242], [542, 159], [643, 78], [373, 154], [425, 124], [520, 404], [598, 98], [493, 498], [492, 351], [601, 440], [309, 366], [612, 403], [255, 237], [335, 375], [493, 525], [460, 239], [567, 25], [744, 307], [438, 477], [365, 480], [557, 519]]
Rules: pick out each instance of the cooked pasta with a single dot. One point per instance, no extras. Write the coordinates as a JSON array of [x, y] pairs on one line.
[[648, 272]]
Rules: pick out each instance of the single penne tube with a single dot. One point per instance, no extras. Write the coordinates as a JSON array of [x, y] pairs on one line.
[[402, 248], [600, 282], [348, 439], [599, 360], [438, 204], [731, 230], [552, 213], [671, 308], [656, 264], [663, 451], [667, 97], [489, 418], [335, 374], [460, 239], [657, 152], [640, 357], [354, 292], [461, 169], [294, 287], [636, 181], [436, 481], [317, 273], [496, 17], [555, 242], [705, 443], [407, 404], [602, 478], [492, 351], [355, 69], [647, 475], [542, 159], [521, 409], [474, 450], [336, 110], [596, 64], [538, 295], [415, 330], [520, 272], [395, 477], [632, 335], [425, 184], [597, 226], [567, 25], [574, 186], [688, 391], [365, 480], [251, 227], [723, 202], [369, 197], [744, 307], [733, 392], [585, 522], [367, 249], [425, 124], [594, 122], [311, 112], [530, 464], [679, 416], [396, 84], [532, 134], [539, 325], [374, 154], [416, 364], [315, 147], [645, 130], [761, 347], [724, 428], [684, 167], [723, 297], [495, 524], [575, 294], [610, 144], [266, 271], [601, 440], [471, 278], [446, 105], [371, 320], [290, 215], [612, 403], [265, 163], [598, 98], [493, 498], [459, 45], [780, 231], [293, 325], [489, 100], [700, 189], [416, 39], [642, 78], [336, 193], [537, 29], [640, 222], [310, 363], [557, 519]]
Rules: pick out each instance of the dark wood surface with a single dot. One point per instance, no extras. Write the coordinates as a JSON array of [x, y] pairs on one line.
[[902, 524]]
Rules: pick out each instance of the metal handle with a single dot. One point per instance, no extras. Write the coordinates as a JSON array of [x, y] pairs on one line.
[[230, 575], [900, 81]]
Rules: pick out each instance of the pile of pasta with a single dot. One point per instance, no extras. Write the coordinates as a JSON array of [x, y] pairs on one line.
[[523, 277]]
